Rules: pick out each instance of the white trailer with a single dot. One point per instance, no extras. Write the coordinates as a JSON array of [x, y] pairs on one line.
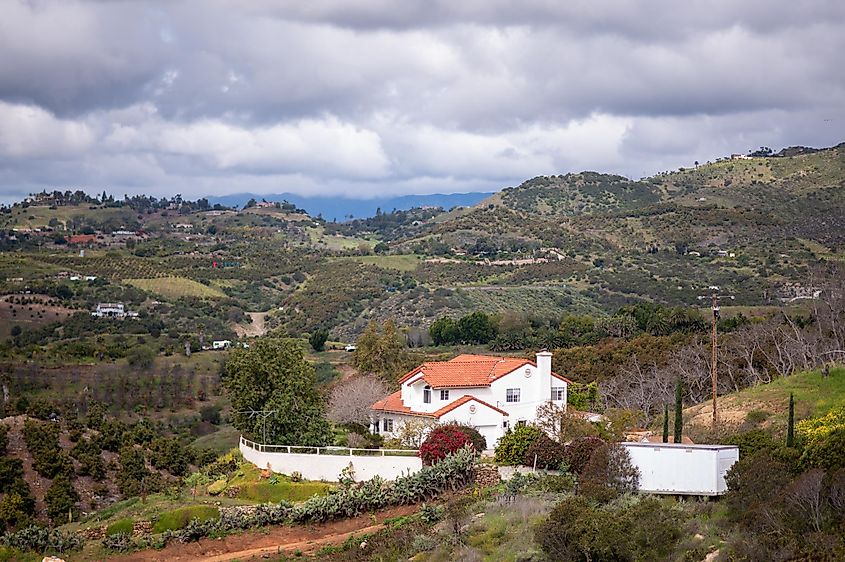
[[683, 469]]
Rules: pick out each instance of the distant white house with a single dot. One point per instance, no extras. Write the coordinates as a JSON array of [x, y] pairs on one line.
[[487, 392], [113, 310], [221, 344]]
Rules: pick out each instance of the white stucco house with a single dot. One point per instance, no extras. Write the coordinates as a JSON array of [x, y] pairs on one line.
[[487, 392]]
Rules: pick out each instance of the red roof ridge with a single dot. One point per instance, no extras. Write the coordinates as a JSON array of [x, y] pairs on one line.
[[463, 400]]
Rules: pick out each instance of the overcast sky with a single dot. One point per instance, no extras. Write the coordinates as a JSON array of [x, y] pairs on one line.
[[365, 97]]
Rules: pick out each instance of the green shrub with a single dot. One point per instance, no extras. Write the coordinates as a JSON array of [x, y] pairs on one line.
[[11, 470], [92, 465], [134, 478], [42, 441], [118, 542], [752, 441], [263, 492], [61, 499], [169, 454], [217, 486], [42, 539], [608, 474], [179, 518], [125, 525], [17, 506], [548, 453], [210, 413], [826, 452], [579, 530], [558, 484], [514, 444]]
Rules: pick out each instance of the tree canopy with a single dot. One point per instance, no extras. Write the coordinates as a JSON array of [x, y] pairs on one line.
[[272, 374]]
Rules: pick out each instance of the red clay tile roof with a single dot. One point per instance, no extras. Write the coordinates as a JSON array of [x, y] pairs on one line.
[[81, 238], [393, 403], [460, 402], [468, 371]]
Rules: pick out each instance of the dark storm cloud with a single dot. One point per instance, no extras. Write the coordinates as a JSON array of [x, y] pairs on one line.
[[376, 95]]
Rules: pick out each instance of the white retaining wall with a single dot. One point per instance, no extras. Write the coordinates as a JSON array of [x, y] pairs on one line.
[[327, 464]]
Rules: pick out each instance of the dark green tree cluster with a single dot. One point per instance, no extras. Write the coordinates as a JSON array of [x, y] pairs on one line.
[[474, 328], [318, 338], [273, 377]]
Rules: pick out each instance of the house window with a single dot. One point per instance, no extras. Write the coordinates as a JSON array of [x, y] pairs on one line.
[[444, 394], [512, 395], [521, 423], [427, 395], [388, 424], [557, 393], [505, 424]]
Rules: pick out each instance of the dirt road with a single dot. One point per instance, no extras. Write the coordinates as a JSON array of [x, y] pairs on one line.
[[255, 545], [255, 328]]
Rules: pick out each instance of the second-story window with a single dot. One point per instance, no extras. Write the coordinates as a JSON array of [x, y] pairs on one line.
[[557, 393], [444, 394], [427, 395], [512, 395]]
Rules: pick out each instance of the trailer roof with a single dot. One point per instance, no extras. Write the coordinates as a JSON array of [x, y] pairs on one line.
[[678, 445]]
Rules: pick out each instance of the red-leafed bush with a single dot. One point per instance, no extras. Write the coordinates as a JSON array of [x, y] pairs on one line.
[[479, 443], [442, 441], [579, 451]]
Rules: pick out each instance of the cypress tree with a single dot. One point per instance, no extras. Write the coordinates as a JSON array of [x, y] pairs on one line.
[[790, 427], [665, 423], [679, 412]]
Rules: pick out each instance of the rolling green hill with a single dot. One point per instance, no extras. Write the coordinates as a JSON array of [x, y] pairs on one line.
[[580, 242], [767, 405]]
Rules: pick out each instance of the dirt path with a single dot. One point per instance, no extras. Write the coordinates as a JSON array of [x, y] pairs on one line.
[[254, 545], [253, 329]]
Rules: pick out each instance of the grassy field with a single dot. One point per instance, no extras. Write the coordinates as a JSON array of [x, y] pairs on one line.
[[221, 441], [175, 287], [814, 394], [318, 237], [401, 262], [254, 489]]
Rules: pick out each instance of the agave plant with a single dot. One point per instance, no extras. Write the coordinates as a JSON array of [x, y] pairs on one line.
[[42, 539]]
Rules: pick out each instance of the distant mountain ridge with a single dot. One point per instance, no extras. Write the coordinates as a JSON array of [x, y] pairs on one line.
[[340, 208]]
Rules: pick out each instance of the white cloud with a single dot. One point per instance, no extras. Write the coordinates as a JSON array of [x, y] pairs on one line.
[[28, 131], [330, 96]]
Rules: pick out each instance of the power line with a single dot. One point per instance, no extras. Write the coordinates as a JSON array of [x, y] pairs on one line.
[[715, 297], [264, 414]]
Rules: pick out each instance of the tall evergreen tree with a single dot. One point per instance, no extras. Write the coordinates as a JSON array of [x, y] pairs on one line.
[[665, 423], [273, 376], [790, 427], [679, 411]]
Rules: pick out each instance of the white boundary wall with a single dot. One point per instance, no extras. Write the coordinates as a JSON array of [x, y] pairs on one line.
[[326, 463]]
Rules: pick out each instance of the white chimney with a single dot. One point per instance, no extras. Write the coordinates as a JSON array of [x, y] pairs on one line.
[[544, 364]]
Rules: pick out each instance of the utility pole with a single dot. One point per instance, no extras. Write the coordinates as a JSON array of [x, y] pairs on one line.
[[264, 414], [714, 344]]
